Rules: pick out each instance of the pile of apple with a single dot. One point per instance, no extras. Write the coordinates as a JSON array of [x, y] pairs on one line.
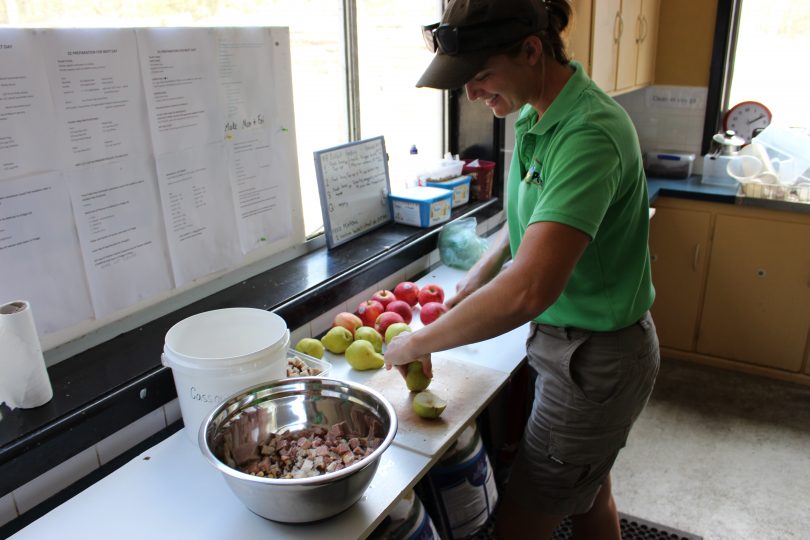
[[360, 335]]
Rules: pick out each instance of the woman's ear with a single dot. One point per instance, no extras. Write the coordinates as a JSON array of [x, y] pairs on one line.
[[532, 49]]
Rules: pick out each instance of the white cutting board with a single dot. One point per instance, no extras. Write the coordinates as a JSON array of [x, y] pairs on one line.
[[461, 384]]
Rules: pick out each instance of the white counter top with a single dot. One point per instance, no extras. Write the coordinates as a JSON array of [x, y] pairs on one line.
[[170, 491]]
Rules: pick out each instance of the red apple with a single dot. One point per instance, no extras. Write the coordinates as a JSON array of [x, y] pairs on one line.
[[407, 291], [431, 311], [401, 307], [385, 320], [349, 321], [431, 293], [368, 312], [384, 297]]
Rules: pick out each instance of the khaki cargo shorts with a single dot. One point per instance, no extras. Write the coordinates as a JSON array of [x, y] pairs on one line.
[[590, 388]]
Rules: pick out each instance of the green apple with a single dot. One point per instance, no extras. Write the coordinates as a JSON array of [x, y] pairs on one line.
[[428, 405], [367, 333], [362, 356], [337, 340], [310, 346], [394, 330], [415, 380]]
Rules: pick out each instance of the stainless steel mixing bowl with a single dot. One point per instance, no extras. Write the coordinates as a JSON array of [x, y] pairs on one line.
[[293, 404]]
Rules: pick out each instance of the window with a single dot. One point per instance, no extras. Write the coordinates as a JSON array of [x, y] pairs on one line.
[[391, 56], [773, 37], [757, 56]]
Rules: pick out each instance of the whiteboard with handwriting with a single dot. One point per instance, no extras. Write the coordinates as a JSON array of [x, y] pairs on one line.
[[353, 185]]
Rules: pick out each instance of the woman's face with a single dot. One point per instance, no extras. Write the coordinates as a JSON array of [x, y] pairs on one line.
[[504, 84]]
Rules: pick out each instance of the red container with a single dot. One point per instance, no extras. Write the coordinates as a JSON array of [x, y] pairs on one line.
[[482, 177]]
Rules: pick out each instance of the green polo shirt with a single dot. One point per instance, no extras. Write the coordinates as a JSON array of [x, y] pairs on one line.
[[580, 165]]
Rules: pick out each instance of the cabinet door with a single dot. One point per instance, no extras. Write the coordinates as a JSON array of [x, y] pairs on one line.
[[579, 45], [757, 305], [679, 243], [647, 42], [605, 45], [629, 30]]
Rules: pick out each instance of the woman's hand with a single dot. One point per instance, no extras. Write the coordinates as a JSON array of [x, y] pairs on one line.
[[471, 282], [398, 354]]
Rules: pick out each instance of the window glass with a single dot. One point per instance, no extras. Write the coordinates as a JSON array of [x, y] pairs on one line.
[[318, 59], [773, 39], [392, 57]]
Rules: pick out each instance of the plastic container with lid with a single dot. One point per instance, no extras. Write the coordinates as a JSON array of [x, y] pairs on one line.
[[216, 353], [460, 187], [316, 367], [421, 206], [672, 165], [483, 173]]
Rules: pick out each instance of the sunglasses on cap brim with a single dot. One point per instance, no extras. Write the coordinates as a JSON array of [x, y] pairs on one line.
[[451, 39]]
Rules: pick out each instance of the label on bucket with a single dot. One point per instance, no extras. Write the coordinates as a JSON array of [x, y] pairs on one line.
[[465, 493]]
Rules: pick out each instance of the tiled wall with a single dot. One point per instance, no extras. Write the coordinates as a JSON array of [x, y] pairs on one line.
[[41, 488], [668, 118]]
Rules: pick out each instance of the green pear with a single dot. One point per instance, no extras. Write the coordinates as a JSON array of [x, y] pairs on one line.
[[428, 405], [415, 380], [394, 330], [337, 340], [362, 356], [367, 333], [310, 346]]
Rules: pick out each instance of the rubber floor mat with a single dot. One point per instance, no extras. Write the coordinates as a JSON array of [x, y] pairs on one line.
[[633, 528]]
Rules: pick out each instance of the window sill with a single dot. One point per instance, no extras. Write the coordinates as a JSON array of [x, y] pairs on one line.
[[105, 388]]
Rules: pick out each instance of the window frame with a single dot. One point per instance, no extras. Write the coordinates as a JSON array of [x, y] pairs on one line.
[[724, 47]]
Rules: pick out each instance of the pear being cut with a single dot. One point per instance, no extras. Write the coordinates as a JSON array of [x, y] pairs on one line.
[[415, 380]]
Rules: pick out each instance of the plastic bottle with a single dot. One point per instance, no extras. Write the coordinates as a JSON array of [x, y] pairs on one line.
[[413, 169]]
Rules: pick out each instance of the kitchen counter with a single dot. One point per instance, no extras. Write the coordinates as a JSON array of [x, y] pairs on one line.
[[692, 188], [170, 491]]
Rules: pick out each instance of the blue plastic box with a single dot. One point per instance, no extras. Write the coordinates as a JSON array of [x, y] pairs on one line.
[[460, 186], [421, 206]]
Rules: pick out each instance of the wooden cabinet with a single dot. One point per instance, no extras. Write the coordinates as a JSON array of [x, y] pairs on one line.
[[579, 38], [757, 304], [679, 247], [647, 42], [624, 35], [733, 286]]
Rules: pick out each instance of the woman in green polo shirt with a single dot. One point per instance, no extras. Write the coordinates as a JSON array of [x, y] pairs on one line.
[[577, 229]]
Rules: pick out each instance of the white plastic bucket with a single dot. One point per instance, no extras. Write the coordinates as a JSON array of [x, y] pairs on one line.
[[216, 353]]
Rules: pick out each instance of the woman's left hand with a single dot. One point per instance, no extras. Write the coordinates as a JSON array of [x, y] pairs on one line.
[[398, 354]]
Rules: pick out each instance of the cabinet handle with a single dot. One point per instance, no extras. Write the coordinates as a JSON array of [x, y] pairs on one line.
[[654, 258], [644, 28], [696, 258], [639, 31], [618, 27]]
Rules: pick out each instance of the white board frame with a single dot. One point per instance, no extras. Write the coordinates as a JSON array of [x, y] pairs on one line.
[[370, 193]]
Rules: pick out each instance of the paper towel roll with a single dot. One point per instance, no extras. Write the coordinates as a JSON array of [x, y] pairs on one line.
[[24, 381]]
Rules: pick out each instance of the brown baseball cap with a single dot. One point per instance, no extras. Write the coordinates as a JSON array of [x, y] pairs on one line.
[[473, 30]]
